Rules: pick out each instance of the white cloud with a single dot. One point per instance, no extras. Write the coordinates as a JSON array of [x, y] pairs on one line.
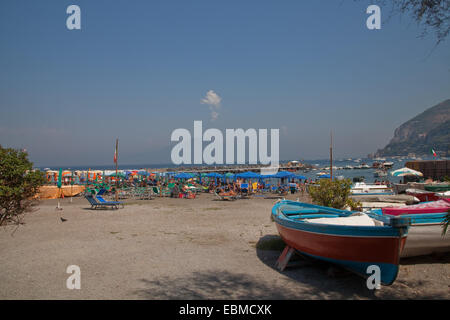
[[213, 100]]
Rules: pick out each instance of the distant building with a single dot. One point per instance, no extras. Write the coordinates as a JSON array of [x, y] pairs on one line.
[[434, 169]]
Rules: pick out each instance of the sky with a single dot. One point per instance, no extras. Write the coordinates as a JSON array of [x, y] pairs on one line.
[[138, 70]]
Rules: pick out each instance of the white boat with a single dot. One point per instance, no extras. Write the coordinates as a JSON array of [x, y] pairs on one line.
[[362, 188], [425, 233], [380, 173]]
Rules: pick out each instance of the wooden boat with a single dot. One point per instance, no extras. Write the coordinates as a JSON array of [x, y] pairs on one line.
[[423, 195], [438, 187], [425, 234], [352, 240]]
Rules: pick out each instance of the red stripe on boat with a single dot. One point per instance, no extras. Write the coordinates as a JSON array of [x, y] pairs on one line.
[[358, 249]]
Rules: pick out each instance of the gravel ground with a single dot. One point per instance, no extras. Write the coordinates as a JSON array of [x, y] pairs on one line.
[[182, 249]]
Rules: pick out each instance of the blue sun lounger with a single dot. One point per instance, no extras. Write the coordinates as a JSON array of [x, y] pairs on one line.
[[97, 203]]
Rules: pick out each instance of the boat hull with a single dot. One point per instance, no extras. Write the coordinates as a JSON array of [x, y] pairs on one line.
[[425, 240], [354, 248], [356, 254], [425, 233]]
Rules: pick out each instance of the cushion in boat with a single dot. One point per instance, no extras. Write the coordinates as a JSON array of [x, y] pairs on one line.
[[360, 220]]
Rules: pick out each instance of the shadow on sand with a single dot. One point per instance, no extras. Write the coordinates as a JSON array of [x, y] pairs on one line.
[[340, 283], [305, 279]]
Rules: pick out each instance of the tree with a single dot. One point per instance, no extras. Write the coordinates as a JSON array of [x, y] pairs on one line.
[[333, 193], [431, 14], [446, 223], [18, 184]]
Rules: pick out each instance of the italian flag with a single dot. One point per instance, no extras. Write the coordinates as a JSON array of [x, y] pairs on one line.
[[433, 152]]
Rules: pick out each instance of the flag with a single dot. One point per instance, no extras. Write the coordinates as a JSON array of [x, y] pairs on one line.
[[115, 155], [433, 152]]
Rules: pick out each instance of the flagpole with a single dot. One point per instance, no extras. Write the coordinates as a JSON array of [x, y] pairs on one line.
[[331, 155], [117, 178]]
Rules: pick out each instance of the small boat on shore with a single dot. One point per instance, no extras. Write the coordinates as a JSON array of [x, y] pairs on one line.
[[438, 187], [423, 195], [425, 234], [352, 240]]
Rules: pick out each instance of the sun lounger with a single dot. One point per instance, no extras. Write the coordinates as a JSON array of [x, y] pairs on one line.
[[245, 191], [97, 203], [225, 196], [103, 201]]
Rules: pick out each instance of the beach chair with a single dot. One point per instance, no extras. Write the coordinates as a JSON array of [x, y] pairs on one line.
[[96, 203], [223, 196], [103, 201]]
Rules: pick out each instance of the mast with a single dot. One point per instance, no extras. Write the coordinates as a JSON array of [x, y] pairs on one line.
[[331, 155], [117, 169]]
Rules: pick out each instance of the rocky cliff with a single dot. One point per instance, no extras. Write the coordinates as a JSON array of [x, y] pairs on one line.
[[428, 130]]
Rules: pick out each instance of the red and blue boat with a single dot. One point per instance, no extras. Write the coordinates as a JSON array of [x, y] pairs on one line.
[[352, 240]]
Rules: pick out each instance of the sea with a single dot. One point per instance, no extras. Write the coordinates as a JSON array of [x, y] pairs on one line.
[[321, 164]]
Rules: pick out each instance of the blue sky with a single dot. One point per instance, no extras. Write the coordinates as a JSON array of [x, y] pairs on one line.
[[137, 70]]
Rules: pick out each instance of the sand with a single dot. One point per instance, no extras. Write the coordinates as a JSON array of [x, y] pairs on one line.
[[181, 249]]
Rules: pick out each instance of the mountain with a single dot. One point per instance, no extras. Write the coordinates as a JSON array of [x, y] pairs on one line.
[[428, 130]]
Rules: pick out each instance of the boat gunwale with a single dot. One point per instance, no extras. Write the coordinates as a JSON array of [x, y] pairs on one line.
[[387, 230]]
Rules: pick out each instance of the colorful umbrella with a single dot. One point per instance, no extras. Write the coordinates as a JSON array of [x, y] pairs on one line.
[[406, 172]]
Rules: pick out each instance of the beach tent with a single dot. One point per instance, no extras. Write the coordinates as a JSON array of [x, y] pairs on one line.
[[299, 177], [406, 172]]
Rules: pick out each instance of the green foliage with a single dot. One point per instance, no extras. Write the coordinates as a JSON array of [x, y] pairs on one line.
[[446, 223], [18, 184], [333, 193]]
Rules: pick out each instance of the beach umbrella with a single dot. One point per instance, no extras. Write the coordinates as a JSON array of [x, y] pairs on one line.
[[324, 176], [406, 172], [183, 175], [119, 175], [214, 175], [248, 175], [282, 175]]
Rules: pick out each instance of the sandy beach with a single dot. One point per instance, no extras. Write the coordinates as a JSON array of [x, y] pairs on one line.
[[182, 249]]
